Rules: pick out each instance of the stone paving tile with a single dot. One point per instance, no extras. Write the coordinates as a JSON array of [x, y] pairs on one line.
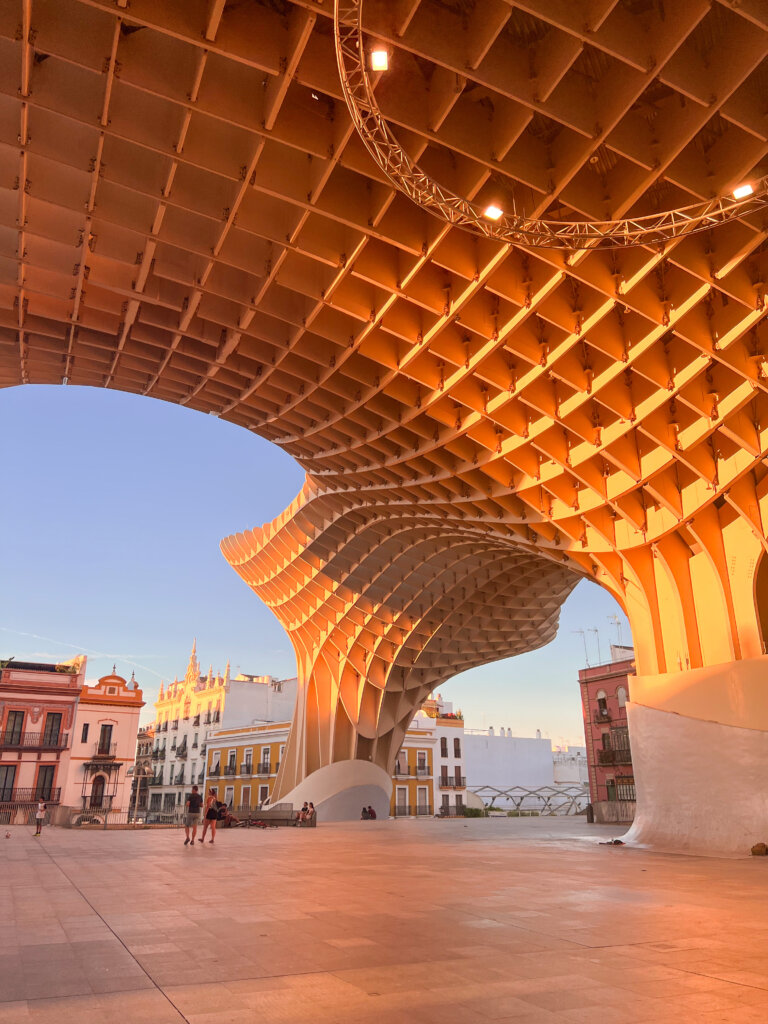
[[518, 920]]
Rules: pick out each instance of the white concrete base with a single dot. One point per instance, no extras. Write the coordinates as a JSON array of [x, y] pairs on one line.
[[339, 791], [702, 786]]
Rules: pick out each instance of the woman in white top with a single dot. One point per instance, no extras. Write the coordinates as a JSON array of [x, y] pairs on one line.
[[39, 816]]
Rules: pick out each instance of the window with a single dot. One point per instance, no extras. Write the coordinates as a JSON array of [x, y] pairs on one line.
[[169, 801], [621, 696], [421, 761], [265, 757], [7, 779], [245, 796], [229, 795], [112, 689], [14, 727], [45, 774], [422, 800], [456, 747], [84, 733], [155, 802], [249, 757], [445, 802], [401, 800], [97, 791], [443, 746], [232, 759], [52, 728], [263, 794], [459, 801], [602, 704], [610, 785], [105, 739]]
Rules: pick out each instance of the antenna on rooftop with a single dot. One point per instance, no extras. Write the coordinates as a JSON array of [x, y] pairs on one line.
[[617, 623], [584, 639], [597, 637]]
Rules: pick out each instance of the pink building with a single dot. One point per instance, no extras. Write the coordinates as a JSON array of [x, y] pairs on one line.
[[38, 704], [604, 694], [104, 745]]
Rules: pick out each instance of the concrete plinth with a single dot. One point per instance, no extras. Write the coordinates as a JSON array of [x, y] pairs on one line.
[[700, 758], [340, 790]]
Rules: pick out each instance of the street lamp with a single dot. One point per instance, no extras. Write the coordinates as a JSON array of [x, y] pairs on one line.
[[139, 772]]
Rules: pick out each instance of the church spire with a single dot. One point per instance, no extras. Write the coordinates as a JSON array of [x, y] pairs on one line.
[[193, 668], [226, 674]]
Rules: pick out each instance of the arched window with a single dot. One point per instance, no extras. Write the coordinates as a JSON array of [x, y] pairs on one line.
[[602, 704], [621, 696]]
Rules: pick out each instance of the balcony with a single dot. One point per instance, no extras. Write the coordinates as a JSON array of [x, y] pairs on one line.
[[201, 778], [402, 771], [34, 741], [179, 780], [30, 795], [246, 768], [623, 755], [453, 783], [265, 768], [158, 755], [196, 720], [215, 771], [600, 717], [423, 771], [230, 769], [156, 781], [181, 751], [207, 719], [104, 750], [175, 725], [411, 810]]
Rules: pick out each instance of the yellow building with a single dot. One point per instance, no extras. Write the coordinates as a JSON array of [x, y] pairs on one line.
[[242, 763], [428, 778]]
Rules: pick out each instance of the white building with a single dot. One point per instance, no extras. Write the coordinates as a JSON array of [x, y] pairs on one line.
[[570, 764], [497, 758]]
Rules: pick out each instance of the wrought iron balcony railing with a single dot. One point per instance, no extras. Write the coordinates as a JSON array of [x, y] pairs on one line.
[[29, 795], [34, 740]]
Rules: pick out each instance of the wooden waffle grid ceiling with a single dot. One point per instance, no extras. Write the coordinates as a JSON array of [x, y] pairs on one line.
[[186, 213]]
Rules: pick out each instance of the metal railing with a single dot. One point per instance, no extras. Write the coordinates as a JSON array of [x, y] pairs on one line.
[[41, 740], [602, 716], [448, 782], [30, 794], [175, 725], [156, 781], [620, 755], [215, 771], [423, 771], [181, 751], [196, 720], [403, 772], [158, 755], [265, 768], [246, 768], [230, 769], [104, 749], [412, 810]]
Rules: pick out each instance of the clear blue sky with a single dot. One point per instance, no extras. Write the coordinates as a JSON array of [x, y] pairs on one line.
[[112, 510]]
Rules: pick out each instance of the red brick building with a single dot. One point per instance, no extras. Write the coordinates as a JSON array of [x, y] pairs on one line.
[[604, 693]]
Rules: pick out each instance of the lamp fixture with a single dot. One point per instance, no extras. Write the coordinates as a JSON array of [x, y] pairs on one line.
[[407, 177]]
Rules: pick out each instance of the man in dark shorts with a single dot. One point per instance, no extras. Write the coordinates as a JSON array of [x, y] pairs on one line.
[[192, 816]]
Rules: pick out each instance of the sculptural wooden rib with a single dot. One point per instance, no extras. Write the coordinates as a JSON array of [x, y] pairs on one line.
[[187, 212]]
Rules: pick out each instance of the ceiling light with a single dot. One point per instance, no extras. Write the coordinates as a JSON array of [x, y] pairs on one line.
[[742, 191], [493, 212], [379, 60]]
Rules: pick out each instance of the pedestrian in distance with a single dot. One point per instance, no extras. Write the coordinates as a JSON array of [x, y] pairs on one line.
[[211, 815], [192, 816], [39, 817]]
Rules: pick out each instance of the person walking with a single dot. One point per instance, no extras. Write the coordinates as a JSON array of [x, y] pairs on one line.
[[193, 804], [211, 815], [39, 817]]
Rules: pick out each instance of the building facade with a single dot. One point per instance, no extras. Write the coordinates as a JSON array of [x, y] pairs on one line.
[[428, 778], [103, 745], [143, 770], [185, 713], [604, 696], [38, 704]]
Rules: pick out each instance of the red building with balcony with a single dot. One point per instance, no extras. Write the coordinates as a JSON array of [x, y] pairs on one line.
[[37, 715], [604, 694]]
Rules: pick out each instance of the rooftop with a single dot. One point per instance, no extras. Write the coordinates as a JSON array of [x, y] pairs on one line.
[[519, 920]]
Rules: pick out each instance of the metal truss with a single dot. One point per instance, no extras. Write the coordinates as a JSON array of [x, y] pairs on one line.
[[654, 229], [569, 798]]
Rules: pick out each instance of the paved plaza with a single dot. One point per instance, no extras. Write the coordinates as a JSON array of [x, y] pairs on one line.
[[427, 922]]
